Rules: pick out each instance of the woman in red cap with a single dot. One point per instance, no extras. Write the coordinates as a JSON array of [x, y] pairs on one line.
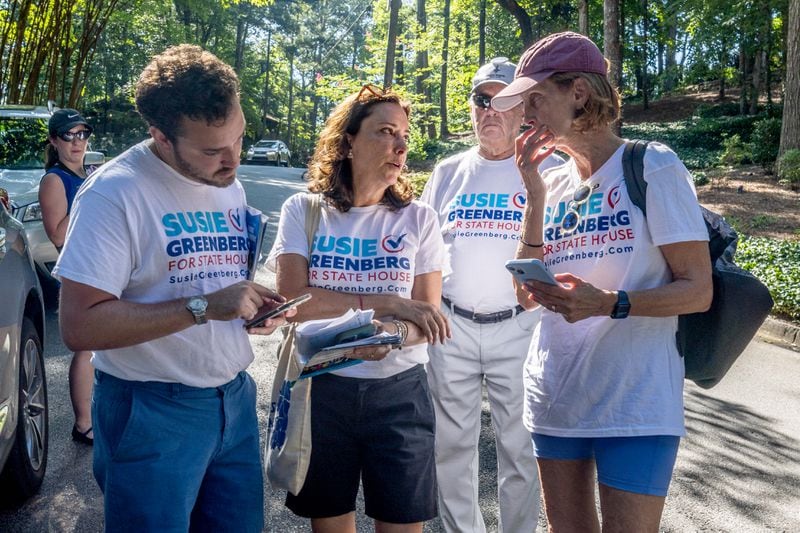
[[603, 378], [68, 135]]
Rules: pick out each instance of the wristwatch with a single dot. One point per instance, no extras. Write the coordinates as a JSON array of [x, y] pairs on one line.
[[197, 305], [622, 307]]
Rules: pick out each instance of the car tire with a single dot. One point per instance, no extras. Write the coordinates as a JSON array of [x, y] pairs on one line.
[[27, 462]]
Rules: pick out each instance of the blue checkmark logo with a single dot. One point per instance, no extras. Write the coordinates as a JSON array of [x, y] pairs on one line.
[[393, 244]]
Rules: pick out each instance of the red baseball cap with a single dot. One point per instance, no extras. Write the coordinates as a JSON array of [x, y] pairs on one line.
[[560, 52]]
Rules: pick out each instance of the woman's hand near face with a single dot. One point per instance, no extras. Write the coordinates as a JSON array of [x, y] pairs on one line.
[[529, 154]]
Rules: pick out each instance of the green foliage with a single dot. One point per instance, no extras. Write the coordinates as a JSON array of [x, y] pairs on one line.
[[700, 178], [697, 141], [734, 152], [789, 166], [765, 140], [777, 264], [726, 109]]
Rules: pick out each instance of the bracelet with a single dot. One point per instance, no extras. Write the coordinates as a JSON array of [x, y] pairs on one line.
[[402, 330], [523, 241]]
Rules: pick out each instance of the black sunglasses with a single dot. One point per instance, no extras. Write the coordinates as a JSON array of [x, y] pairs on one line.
[[481, 100], [68, 136]]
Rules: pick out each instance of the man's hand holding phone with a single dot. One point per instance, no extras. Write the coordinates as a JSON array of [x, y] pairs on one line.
[[270, 311]]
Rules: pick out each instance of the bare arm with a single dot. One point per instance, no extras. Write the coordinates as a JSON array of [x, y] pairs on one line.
[[92, 319], [529, 155], [690, 290], [422, 310], [53, 200]]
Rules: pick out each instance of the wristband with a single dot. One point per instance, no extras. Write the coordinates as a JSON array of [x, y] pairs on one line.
[[529, 244]]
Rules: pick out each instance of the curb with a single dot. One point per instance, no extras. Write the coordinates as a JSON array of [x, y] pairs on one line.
[[781, 333]]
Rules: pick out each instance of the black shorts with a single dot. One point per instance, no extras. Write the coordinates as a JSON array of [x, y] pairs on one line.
[[380, 432]]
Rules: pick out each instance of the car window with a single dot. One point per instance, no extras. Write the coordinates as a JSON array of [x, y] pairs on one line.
[[266, 144], [22, 143]]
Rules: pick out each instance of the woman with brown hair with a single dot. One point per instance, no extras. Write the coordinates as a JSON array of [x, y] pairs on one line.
[[65, 174], [375, 248]]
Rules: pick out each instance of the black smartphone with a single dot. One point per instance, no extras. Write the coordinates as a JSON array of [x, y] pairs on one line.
[[262, 316]]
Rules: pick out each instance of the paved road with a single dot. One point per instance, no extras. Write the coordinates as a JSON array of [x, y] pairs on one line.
[[738, 469]]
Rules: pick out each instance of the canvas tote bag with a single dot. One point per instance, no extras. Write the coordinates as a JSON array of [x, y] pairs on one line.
[[288, 443]]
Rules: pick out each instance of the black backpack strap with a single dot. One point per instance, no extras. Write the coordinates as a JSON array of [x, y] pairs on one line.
[[633, 170]]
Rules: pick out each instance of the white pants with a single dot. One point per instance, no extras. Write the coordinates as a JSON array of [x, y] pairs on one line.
[[456, 371]]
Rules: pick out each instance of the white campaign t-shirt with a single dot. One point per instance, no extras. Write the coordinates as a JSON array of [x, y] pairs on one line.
[[146, 234], [601, 377], [368, 250], [480, 204]]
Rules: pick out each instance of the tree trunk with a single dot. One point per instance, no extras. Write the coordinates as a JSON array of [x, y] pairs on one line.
[[611, 47], [443, 132], [422, 74], [645, 88], [670, 64], [523, 20], [482, 33], [583, 17], [790, 129], [388, 71]]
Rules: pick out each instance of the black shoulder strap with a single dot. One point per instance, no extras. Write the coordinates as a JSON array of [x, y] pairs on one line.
[[633, 170]]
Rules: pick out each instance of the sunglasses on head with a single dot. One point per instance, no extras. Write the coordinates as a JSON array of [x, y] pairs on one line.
[[69, 136], [481, 100], [371, 89], [573, 217]]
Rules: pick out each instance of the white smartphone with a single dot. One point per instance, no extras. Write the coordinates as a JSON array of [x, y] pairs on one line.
[[262, 316], [530, 269]]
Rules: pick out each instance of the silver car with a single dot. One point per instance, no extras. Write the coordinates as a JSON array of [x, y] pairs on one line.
[[23, 387], [23, 136], [269, 152]]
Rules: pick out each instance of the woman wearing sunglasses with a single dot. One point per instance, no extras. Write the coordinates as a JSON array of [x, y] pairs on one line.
[[375, 248], [65, 174], [603, 378]]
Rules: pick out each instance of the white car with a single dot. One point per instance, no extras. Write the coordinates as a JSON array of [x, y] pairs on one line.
[[23, 137], [269, 152]]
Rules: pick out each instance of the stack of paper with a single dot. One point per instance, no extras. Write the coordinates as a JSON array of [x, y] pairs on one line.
[[319, 351]]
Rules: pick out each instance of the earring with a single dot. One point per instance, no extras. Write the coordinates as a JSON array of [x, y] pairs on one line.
[[405, 168], [350, 154]]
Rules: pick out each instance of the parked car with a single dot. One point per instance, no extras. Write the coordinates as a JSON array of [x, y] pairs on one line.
[[269, 152], [23, 137], [23, 386]]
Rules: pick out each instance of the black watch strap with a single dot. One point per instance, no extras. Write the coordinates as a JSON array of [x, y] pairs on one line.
[[622, 307]]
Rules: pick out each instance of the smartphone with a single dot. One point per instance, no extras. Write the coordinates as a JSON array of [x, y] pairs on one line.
[[530, 269], [264, 313]]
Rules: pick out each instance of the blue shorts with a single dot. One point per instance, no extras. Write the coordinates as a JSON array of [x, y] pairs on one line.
[[642, 465], [376, 431], [170, 457]]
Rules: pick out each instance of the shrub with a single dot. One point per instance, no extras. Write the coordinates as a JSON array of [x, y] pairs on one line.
[[700, 178], [735, 152], [789, 167], [765, 141], [777, 264], [726, 109]]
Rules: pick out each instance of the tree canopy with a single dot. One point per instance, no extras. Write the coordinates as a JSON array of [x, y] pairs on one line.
[[298, 58]]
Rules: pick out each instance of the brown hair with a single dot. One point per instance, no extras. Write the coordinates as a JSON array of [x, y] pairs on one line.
[[50, 156], [330, 171], [185, 81], [603, 105]]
